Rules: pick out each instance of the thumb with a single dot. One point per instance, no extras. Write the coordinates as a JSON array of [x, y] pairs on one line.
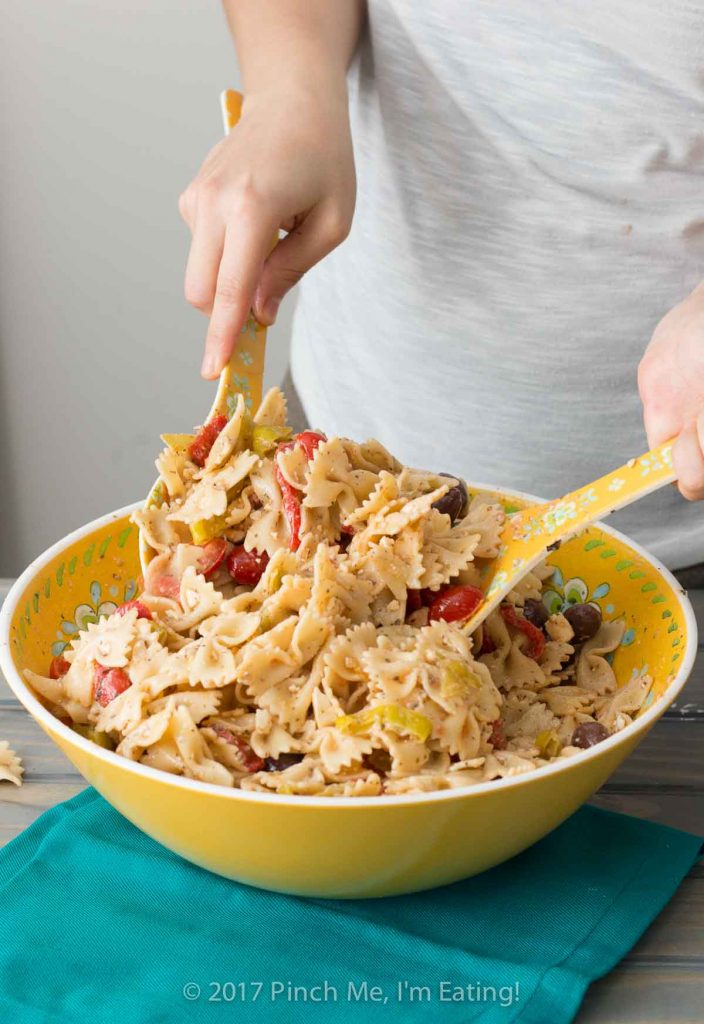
[[661, 423], [662, 410], [318, 234]]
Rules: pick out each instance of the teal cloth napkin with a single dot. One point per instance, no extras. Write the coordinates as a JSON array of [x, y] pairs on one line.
[[99, 923]]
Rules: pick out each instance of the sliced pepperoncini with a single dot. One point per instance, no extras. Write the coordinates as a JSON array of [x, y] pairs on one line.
[[548, 743], [269, 620], [276, 577], [392, 716], [94, 735], [244, 438], [457, 679], [205, 529], [265, 439], [161, 633]]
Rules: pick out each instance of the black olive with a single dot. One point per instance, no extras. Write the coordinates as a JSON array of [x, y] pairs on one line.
[[455, 501], [588, 734], [535, 611], [585, 620], [282, 762], [379, 760]]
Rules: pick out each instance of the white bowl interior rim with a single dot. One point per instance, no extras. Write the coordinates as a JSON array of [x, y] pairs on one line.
[[27, 698]]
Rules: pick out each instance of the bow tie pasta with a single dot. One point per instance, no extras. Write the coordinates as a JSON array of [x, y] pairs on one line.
[[302, 631]]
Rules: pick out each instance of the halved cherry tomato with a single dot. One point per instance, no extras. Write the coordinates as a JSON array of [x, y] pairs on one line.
[[142, 610], [165, 586], [109, 683], [453, 604], [250, 761], [199, 449], [292, 509], [413, 601], [213, 555], [59, 667], [309, 441], [246, 566], [536, 637], [497, 738]]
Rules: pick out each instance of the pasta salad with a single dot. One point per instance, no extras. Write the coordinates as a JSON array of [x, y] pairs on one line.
[[301, 630]]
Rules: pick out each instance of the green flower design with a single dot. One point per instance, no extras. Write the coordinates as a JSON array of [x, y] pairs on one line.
[[498, 581], [89, 612], [250, 328], [558, 515], [562, 594], [241, 386]]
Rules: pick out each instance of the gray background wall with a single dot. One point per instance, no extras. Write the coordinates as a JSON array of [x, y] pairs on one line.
[[108, 109]]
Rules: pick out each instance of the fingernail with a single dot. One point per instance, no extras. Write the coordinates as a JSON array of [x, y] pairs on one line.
[[271, 308], [210, 367]]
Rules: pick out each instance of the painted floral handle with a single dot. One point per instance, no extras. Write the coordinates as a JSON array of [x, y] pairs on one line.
[[530, 533], [560, 519], [244, 373]]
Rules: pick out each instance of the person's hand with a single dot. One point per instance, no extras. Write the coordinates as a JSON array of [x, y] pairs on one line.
[[287, 164], [671, 384]]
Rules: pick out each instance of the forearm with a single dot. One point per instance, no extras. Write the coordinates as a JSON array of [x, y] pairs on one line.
[[287, 43], [287, 165]]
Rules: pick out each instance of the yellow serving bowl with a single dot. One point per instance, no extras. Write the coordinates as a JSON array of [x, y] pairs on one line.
[[341, 847]]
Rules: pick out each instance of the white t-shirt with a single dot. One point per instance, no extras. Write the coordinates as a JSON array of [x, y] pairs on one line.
[[531, 203]]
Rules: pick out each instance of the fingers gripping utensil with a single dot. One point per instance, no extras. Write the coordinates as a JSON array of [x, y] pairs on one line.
[[244, 372], [529, 534]]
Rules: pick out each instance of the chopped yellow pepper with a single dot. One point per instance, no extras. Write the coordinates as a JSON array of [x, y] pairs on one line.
[[205, 529], [392, 716], [548, 743]]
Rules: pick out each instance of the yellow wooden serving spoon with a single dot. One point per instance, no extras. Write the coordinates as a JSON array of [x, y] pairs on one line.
[[244, 373], [529, 534]]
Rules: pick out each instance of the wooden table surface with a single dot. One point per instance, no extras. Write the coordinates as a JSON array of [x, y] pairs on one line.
[[661, 980]]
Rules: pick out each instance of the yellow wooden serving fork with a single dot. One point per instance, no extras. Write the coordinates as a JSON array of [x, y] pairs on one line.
[[530, 533], [244, 372]]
